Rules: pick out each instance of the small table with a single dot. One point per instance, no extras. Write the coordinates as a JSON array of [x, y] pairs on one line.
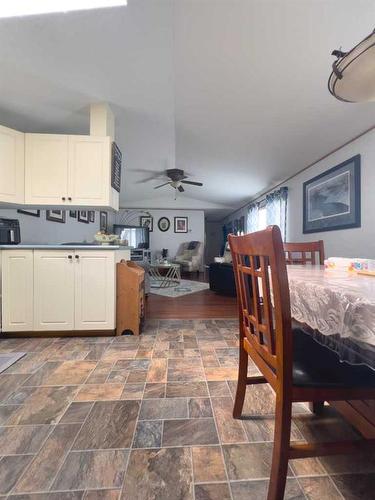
[[170, 278]]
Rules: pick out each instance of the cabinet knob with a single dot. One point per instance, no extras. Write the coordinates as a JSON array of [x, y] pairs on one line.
[[63, 198], [77, 256], [70, 257], [69, 198]]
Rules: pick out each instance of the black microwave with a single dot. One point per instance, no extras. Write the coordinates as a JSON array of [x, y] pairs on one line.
[[10, 232]]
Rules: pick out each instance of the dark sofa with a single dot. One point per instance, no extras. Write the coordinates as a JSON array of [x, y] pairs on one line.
[[221, 278]]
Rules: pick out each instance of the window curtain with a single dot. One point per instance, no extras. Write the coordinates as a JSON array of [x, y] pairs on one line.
[[276, 206], [252, 218]]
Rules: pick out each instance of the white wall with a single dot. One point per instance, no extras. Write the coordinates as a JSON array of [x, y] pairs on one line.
[[39, 230], [356, 242], [170, 239]]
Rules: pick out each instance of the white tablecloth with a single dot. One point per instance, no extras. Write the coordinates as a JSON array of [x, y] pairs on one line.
[[340, 306]]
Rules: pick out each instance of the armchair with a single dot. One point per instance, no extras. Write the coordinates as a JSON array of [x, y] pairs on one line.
[[189, 256]]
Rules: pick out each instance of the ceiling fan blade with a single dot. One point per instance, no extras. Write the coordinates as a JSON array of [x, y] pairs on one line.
[[161, 185], [146, 180], [192, 183], [181, 189]]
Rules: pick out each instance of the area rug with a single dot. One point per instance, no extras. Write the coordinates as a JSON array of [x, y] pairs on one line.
[[184, 288], [8, 359]]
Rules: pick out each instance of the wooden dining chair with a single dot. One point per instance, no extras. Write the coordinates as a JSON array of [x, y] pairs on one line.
[[297, 368], [304, 252]]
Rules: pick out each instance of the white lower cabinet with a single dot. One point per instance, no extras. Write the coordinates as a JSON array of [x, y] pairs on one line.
[[17, 290], [56, 290], [94, 290], [53, 290]]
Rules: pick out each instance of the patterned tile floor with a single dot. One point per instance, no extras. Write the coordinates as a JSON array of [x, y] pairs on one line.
[[149, 418]]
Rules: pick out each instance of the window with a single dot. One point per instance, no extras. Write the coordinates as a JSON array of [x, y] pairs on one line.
[[270, 211], [262, 217]]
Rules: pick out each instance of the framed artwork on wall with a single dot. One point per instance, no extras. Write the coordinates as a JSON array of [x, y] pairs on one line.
[[103, 221], [55, 216], [164, 224], [83, 216], [33, 213], [180, 224], [147, 221], [332, 200], [91, 216]]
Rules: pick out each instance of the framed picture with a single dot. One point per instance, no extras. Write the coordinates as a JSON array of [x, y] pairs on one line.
[[83, 216], [147, 221], [180, 224], [332, 200], [33, 213], [91, 216], [55, 216], [103, 221], [164, 224]]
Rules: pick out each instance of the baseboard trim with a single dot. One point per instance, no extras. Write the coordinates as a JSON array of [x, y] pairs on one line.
[[59, 333]]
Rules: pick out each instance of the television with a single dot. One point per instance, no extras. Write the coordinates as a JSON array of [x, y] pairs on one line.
[[137, 236]]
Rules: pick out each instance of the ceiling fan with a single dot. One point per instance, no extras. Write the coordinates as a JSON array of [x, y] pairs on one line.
[[177, 178]]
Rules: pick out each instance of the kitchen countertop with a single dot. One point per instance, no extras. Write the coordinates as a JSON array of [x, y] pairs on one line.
[[60, 246]]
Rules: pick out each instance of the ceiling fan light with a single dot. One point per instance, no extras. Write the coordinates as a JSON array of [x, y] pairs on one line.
[[353, 75]]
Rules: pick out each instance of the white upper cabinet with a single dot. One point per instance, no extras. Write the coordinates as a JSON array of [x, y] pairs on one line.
[[46, 169], [89, 170], [12, 166], [72, 170]]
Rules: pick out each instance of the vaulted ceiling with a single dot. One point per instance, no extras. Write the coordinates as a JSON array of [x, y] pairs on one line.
[[232, 91]]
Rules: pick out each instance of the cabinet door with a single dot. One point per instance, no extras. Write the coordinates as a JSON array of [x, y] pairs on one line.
[[89, 170], [46, 169], [12, 166], [95, 290], [53, 290], [17, 290]]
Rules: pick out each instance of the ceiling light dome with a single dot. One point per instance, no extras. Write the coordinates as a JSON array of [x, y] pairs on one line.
[[353, 75]]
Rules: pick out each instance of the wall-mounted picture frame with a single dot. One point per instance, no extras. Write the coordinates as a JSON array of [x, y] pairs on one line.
[[103, 218], [83, 216], [164, 224], [180, 224], [33, 213], [55, 216], [91, 215], [332, 200], [73, 214], [147, 221]]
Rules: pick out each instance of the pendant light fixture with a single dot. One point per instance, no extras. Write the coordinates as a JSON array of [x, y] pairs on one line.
[[353, 73]]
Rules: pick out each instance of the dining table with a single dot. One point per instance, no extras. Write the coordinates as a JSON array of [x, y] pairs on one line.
[[337, 308]]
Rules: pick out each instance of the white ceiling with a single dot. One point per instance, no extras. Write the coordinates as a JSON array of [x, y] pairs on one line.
[[232, 91]]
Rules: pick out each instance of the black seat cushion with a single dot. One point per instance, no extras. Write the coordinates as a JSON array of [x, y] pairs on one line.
[[221, 278], [315, 365]]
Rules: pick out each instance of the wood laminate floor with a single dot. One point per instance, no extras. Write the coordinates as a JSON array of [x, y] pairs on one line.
[[150, 417], [200, 305]]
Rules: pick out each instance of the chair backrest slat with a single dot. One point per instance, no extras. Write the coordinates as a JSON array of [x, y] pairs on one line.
[[263, 298], [304, 252]]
